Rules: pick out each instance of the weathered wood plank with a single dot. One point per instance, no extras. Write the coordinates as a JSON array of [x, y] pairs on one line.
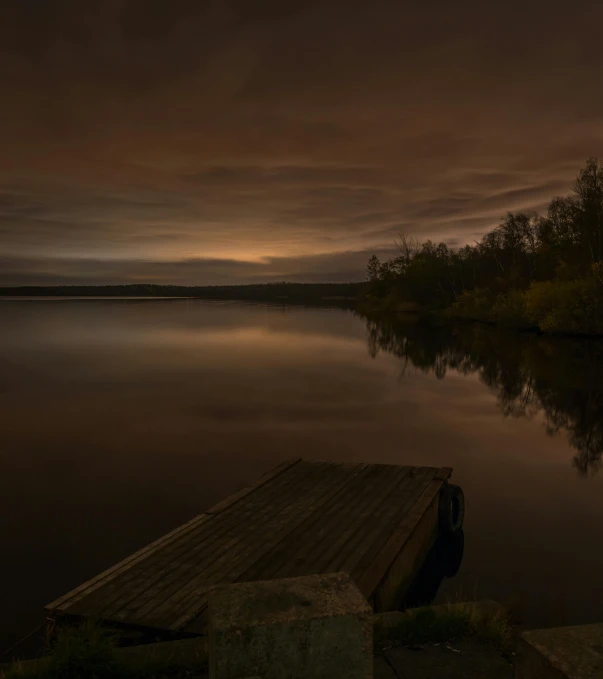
[[111, 573], [264, 479], [401, 571], [227, 525], [345, 522], [294, 549], [372, 548], [444, 473], [369, 580], [367, 504], [250, 541], [300, 518], [418, 480], [381, 520], [231, 571], [99, 601]]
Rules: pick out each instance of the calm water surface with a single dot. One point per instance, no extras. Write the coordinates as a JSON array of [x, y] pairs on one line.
[[120, 420]]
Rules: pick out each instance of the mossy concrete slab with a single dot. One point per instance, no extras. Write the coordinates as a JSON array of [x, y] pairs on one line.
[[382, 669], [311, 627], [561, 653], [461, 660]]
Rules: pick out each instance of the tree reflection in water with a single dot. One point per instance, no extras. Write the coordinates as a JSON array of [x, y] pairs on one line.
[[560, 377]]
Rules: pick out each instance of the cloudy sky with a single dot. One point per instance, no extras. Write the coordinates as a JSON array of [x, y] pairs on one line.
[[229, 141]]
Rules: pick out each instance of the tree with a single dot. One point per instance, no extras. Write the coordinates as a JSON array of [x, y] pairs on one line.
[[373, 269], [494, 275], [588, 189], [408, 248]]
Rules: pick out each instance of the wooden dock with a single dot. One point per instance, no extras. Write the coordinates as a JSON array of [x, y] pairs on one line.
[[373, 521]]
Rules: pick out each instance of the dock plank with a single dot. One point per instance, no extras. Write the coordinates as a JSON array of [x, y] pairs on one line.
[[380, 521], [301, 518], [380, 538], [338, 542], [264, 479], [295, 549], [309, 555], [369, 580], [227, 529], [231, 559], [286, 523], [116, 570], [146, 573]]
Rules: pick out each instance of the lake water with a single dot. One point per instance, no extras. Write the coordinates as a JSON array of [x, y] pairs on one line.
[[119, 420]]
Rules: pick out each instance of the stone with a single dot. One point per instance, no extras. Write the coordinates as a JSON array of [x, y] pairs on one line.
[[310, 627], [382, 669], [561, 653]]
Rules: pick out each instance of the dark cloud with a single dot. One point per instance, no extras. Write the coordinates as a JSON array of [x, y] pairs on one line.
[[224, 130]]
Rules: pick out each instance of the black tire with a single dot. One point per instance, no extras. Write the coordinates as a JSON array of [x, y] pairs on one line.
[[451, 513]]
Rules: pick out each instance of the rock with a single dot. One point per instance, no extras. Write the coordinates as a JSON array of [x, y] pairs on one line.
[[311, 627], [561, 653]]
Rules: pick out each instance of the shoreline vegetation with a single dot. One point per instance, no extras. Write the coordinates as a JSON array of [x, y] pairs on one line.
[[532, 272]]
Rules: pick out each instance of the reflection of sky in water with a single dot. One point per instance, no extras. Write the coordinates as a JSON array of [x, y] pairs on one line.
[[119, 421]]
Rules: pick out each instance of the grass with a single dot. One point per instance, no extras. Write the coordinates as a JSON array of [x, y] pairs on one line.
[[438, 624], [89, 651], [78, 652]]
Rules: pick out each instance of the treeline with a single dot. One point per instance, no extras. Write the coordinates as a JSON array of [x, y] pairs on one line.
[[532, 271], [283, 292], [560, 379]]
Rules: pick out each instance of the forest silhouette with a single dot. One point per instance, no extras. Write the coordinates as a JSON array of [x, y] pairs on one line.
[[531, 271]]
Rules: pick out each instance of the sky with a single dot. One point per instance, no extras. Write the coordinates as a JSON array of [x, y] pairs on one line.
[[230, 141]]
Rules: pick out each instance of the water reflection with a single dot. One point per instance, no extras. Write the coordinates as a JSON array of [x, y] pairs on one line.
[[121, 420], [559, 377], [443, 561]]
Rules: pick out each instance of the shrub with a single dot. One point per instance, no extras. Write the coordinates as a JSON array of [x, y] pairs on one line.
[[435, 624], [574, 307], [83, 652], [476, 305], [510, 310]]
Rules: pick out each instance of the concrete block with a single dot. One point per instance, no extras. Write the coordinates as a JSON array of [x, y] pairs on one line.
[[311, 627], [561, 653]]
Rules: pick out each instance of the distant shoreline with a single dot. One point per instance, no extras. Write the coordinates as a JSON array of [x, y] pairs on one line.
[[319, 294], [281, 290], [66, 298]]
